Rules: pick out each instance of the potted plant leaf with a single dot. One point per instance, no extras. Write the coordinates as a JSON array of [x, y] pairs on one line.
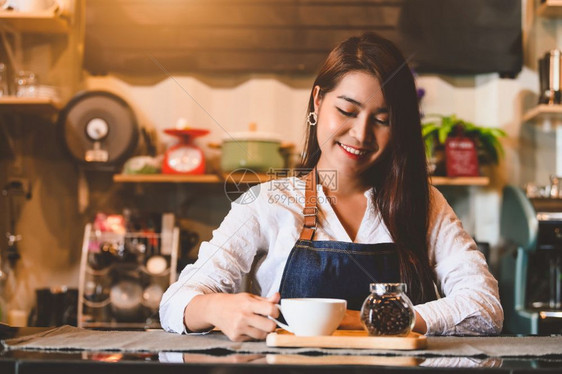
[[435, 134]]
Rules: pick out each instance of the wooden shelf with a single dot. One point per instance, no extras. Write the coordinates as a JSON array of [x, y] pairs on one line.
[[204, 178], [246, 178], [29, 105], [34, 22], [550, 9], [165, 178], [260, 178], [460, 181], [542, 112]]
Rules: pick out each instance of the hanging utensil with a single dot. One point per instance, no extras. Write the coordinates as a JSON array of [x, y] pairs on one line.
[[13, 189]]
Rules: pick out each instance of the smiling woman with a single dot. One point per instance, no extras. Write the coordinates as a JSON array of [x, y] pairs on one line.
[[371, 109], [353, 128], [363, 213]]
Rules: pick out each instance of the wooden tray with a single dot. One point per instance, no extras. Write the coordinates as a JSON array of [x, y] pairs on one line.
[[347, 339]]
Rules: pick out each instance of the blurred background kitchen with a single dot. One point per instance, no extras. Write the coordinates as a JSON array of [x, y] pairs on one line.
[[95, 95]]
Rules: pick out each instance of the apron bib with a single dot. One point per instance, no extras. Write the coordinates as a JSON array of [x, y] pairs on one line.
[[333, 269]]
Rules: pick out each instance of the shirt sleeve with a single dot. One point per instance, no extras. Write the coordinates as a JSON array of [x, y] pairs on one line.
[[221, 264], [471, 303]]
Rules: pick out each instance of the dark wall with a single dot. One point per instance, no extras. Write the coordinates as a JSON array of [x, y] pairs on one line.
[[463, 37], [292, 37]]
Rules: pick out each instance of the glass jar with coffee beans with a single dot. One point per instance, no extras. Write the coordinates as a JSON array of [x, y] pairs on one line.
[[387, 310]]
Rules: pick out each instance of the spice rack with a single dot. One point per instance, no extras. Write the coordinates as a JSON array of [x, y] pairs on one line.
[[123, 276]]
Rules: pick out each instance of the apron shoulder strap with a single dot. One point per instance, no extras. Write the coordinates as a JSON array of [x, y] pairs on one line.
[[310, 208]]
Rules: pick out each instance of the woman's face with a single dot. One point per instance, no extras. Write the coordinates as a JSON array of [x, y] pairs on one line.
[[353, 126]]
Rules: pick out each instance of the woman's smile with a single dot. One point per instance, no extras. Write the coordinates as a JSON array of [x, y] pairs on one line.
[[354, 152]]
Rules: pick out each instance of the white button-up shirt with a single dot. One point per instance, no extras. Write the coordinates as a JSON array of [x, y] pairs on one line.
[[254, 241]]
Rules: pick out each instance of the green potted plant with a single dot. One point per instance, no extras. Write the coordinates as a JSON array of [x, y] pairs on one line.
[[436, 132]]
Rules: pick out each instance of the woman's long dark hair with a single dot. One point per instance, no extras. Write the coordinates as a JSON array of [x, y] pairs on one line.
[[400, 178]]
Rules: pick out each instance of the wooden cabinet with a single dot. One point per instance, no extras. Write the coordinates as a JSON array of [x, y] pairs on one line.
[[48, 44]]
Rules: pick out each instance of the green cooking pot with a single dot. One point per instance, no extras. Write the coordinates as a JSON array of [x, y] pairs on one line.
[[253, 150]]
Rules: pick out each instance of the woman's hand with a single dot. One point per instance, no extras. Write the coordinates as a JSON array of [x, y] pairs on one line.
[[420, 326], [240, 316], [351, 321]]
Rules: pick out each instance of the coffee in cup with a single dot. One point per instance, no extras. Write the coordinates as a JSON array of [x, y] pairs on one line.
[[311, 316]]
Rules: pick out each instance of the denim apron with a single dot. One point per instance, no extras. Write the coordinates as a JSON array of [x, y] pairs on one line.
[[332, 269]]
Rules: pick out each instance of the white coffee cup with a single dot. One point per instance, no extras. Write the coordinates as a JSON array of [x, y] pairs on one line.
[[311, 316]]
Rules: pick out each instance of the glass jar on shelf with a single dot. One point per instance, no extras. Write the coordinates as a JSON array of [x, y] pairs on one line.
[[26, 84], [388, 310]]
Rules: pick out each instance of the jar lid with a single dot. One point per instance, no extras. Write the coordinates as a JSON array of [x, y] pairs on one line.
[[380, 288]]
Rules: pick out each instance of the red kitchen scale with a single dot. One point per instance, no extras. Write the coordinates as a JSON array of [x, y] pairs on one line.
[[184, 157]]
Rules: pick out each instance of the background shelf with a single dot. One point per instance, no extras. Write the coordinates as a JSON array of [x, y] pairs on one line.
[[165, 178], [550, 8], [460, 181], [260, 178], [29, 105], [542, 112], [34, 22], [204, 178]]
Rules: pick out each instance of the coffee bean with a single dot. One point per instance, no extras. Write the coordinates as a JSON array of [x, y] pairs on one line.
[[387, 315]]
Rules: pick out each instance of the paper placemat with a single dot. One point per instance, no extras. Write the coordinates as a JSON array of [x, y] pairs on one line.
[[68, 338]]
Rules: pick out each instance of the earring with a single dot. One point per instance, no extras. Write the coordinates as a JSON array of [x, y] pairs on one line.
[[312, 119]]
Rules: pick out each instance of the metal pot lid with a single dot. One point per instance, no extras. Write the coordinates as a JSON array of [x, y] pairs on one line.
[[99, 129], [252, 136], [126, 294]]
